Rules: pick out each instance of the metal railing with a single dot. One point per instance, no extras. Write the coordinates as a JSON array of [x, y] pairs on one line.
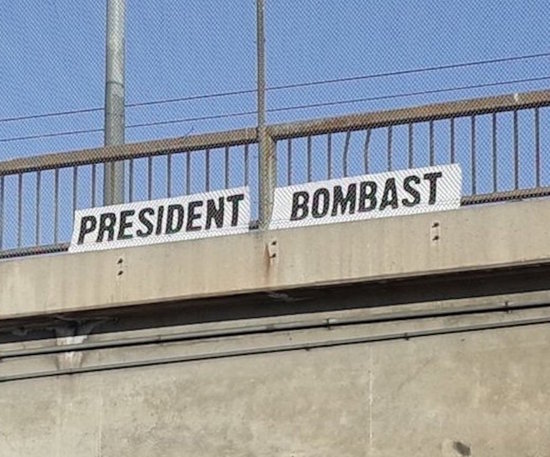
[[38, 195], [502, 144], [499, 142]]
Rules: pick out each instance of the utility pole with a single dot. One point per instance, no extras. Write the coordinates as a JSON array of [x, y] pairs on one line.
[[113, 190], [265, 144]]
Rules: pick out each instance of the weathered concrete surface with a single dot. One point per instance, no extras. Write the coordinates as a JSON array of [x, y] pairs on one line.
[[470, 238], [480, 394]]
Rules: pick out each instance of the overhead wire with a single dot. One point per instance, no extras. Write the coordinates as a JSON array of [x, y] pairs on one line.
[[285, 86], [282, 109]]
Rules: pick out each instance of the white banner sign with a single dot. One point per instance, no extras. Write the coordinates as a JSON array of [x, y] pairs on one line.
[[366, 197], [224, 212]]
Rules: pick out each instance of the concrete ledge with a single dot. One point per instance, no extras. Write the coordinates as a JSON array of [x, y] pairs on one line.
[[504, 235]]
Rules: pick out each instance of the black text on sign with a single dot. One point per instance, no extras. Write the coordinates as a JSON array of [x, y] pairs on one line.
[[210, 214], [369, 196]]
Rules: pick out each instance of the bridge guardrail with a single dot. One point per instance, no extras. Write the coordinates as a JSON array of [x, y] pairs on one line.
[[502, 144]]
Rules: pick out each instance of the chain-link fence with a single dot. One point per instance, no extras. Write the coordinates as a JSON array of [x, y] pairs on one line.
[[501, 143]]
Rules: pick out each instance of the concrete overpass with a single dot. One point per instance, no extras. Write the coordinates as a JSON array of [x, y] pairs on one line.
[[415, 335]]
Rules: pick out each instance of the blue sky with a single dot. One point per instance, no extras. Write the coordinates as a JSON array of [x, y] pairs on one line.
[[52, 59]]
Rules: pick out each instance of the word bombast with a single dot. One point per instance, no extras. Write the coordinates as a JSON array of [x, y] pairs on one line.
[[365, 196]]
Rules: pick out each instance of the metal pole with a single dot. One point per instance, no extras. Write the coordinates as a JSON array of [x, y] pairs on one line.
[[113, 190], [266, 144]]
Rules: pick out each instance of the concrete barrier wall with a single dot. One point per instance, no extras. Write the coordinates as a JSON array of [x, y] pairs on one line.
[[510, 234]]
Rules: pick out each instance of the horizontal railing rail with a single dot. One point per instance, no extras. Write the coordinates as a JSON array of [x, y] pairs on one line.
[[502, 144], [128, 151], [433, 112]]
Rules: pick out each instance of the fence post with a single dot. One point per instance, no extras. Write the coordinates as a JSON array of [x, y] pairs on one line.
[[113, 192], [266, 145], [268, 178]]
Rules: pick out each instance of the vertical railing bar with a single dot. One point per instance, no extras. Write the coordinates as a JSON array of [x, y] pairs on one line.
[[38, 201], [259, 171], [188, 173], [246, 165], [94, 173], [127, 166], [169, 175], [345, 154], [19, 208], [537, 147], [56, 206], [473, 154], [390, 136], [329, 156], [516, 151], [411, 145], [1, 212], [150, 178], [309, 174], [432, 143], [494, 149], [226, 168], [207, 169], [75, 187], [75, 190], [452, 140], [289, 162], [131, 180], [366, 150]]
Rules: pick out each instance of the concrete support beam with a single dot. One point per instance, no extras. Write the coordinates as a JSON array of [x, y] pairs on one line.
[[480, 394]]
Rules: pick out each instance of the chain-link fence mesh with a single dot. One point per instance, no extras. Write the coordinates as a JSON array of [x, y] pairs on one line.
[[497, 152], [501, 145], [191, 71]]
